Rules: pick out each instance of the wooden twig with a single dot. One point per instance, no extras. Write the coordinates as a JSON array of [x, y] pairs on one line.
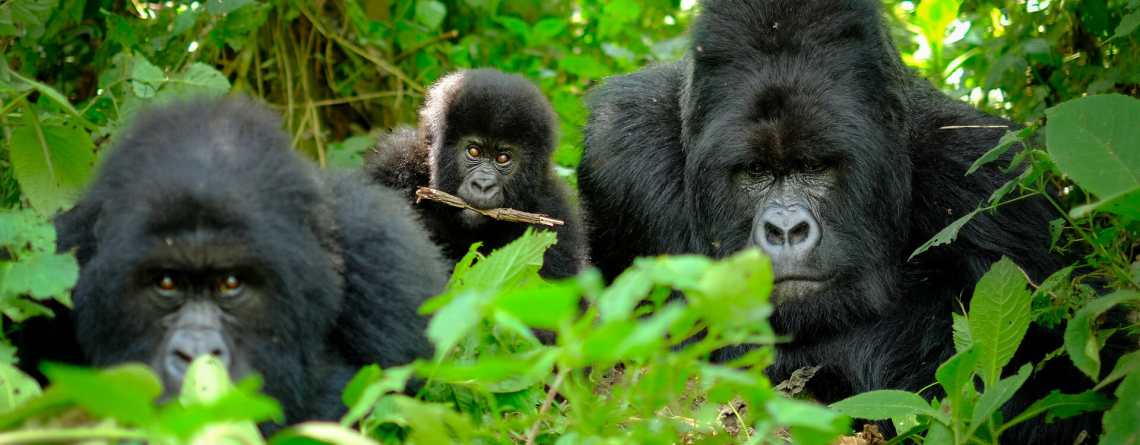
[[533, 432], [501, 214]]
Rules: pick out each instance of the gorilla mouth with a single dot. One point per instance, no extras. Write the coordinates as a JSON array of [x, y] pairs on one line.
[[796, 287]]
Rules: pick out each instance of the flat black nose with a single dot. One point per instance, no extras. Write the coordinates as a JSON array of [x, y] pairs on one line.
[[187, 344], [484, 184], [786, 230]]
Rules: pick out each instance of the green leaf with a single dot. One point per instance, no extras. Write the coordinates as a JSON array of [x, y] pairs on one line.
[[545, 306], [944, 236], [196, 80], [320, 432], [734, 291], [957, 373], [1007, 141], [454, 321], [206, 381], [15, 388], [1125, 204], [996, 395], [40, 276], [368, 386], [583, 66], [125, 393], [1095, 141], [886, 404], [933, 18], [146, 78], [24, 16], [1127, 24], [621, 11], [962, 338], [999, 317], [546, 30], [1080, 341], [510, 265], [1126, 365], [1062, 406], [1122, 421], [349, 153], [806, 420], [514, 25], [430, 13], [219, 7], [51, 163], [25, 231]]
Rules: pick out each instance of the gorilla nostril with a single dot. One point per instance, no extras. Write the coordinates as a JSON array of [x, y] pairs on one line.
[[773, 235], [799, 233]]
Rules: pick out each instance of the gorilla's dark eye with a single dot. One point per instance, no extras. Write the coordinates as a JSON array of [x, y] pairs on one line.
[[757, 169], [473, 151], [503, 158], [230, 286], [166, 285]]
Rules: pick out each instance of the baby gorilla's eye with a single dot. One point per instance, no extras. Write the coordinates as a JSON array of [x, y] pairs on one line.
[[473, 151], [166, 285], [503, 158], [230, 286]]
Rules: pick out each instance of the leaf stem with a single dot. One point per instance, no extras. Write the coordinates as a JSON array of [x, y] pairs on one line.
[[32, 436]]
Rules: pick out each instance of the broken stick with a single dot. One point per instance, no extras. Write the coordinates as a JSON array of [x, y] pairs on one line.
[[501, 214]]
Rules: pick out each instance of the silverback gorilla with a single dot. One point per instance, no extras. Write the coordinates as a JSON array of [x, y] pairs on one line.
[[205, 233], [792, 126], [486, 137]]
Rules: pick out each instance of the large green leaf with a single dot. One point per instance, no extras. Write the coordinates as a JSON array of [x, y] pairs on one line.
[[1122, 422], [1080, 341], [1095, 141], [999, 316], [996, 395], [126, 393], [885, 404], [40, 276], [15, 387], [52, 163], [24, 16]]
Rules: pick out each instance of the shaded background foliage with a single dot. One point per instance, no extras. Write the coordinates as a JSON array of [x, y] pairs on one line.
[[74, 71]]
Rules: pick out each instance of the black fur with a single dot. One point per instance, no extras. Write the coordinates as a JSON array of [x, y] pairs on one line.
[[346, 265], [491, 104], [818, 79]]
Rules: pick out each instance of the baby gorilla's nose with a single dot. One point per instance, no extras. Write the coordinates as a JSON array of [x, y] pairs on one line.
[[187, 344]]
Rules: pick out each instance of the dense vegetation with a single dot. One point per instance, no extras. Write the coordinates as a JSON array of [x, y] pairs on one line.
[[74, 71]]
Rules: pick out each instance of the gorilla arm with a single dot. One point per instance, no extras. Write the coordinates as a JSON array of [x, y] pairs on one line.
[[399, 161], [635, 120], [390, 268]]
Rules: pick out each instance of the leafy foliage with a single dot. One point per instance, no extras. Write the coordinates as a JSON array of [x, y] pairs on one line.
[[73, 72]]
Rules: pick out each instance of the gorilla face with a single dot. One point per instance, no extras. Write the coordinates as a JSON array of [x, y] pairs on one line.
[[806, 175], [174, 286], [486, 168]]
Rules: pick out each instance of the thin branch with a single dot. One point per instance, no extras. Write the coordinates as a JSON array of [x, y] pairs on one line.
[[530, 435], [429, 42], [501, 214], [384, 65]]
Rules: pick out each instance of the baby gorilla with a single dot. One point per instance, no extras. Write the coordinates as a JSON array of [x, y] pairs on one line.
[[487, 137], [204, 233]]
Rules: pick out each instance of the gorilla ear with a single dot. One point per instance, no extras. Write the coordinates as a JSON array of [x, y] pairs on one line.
[[75, 229]]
